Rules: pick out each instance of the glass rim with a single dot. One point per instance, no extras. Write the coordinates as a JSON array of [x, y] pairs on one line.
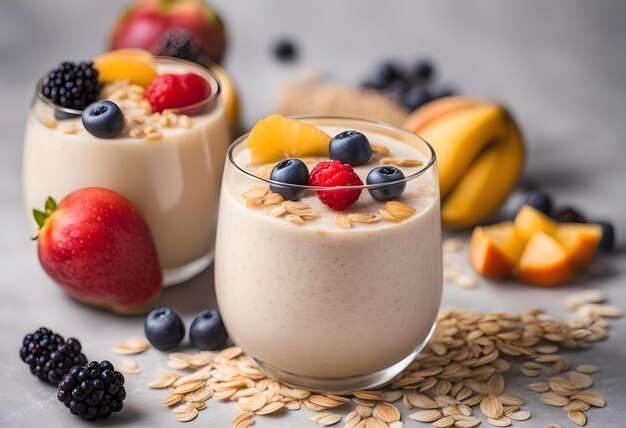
[[426, 167], [159, 59]]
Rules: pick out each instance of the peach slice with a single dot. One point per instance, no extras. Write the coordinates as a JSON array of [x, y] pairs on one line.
[[545, 262], [530, 220], [135, 65], [495, 250], [579, 240]]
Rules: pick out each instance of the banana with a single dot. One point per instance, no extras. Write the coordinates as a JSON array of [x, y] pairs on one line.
[[480, 155]]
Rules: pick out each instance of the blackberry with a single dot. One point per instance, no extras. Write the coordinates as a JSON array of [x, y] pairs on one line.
[[49, 356], [72, 85], [569, 215], [92, 391], [179, 44]]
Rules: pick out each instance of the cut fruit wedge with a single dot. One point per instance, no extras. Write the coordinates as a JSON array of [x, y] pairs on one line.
[[135, 65], [579, 240], [530, 220], [495, 250], [545, 262], [276, 138]]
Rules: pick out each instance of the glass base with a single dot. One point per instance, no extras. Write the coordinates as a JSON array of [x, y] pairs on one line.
[[178, 275], [344, 386]]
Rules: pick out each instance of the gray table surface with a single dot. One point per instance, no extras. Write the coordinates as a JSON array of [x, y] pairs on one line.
[[559, 65]]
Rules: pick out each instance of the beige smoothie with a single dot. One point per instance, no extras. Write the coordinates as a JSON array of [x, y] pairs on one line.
[[169, 165], [320, 300]]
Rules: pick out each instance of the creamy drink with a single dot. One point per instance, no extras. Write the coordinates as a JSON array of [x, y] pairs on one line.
[[330, 299], [169, 163]]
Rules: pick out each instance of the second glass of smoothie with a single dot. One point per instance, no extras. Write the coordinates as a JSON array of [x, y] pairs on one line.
[[169, 165], [316, 302]]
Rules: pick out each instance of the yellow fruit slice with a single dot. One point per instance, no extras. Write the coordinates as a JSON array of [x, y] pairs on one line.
[[579, 240], [495, 250], [545, 262], [231, 97], [136, 65], [530, 220], [276, 138]]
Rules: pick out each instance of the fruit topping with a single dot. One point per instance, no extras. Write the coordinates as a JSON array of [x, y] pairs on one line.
[[276, 138], [92, 391], [71, 85], [608, 236], [285, 50], [170, 91], [178, 43], [207, 331], [350, 147], [569, 215], [103, 119], [135, 65], [291, 171], [49, 356], [336, 174], [386, 174], [539, 200], [98, 248], [164, 329]]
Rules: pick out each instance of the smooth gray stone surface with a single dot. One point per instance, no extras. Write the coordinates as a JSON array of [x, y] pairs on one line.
[[559, 65]]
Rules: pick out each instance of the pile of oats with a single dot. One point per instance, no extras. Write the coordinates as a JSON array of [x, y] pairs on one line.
[[457, 376]]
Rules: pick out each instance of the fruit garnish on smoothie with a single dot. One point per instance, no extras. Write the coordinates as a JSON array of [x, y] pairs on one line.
[[300, 155], [119, 92]]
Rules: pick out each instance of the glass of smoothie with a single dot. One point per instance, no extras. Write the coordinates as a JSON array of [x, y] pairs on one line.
[[167, 161], [329, 285]]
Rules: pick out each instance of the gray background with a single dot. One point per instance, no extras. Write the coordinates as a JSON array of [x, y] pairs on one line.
[[559, 65]]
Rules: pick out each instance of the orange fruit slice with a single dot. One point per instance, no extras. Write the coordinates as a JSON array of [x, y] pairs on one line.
[[276, 138], [136, 65], [545, 262]]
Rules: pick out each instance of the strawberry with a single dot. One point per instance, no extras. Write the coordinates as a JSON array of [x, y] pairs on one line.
[[169, 91], [98, 248]]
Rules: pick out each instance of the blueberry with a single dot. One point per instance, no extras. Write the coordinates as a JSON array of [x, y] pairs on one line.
[[423, 69], [416, 97], [207, 330], [389, 71], [350, 147], [386, 174], [164, 329], [539, 200], [291, 171], [285, 50], [103, 119], [608, 235]]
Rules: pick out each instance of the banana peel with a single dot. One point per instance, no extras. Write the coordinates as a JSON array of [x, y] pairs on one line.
[[480, 155]]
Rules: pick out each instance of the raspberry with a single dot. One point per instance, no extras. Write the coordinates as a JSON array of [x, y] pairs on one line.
[[169, 91], [335, 174]]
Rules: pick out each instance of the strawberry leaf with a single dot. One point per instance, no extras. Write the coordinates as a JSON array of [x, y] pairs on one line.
[[51, 206], [40, 218]]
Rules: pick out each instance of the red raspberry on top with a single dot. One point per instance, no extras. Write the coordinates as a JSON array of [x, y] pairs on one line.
[[176, 90], [335, 174]]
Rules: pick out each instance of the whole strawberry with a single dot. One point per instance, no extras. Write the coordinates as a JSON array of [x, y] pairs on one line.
[[98, 248]]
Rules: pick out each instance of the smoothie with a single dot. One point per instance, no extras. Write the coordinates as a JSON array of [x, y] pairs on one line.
[[168, 164], [326, 306]]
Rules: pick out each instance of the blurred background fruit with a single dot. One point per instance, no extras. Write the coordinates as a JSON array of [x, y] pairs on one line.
[[146, 22], [480, 155], [185, 29]]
